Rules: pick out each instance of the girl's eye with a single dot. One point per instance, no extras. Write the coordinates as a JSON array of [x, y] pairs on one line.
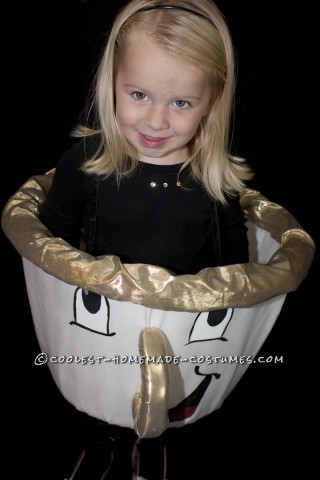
[[139, 96], [181, 104]]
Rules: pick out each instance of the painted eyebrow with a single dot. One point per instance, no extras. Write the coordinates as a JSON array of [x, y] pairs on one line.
[[143, 90]]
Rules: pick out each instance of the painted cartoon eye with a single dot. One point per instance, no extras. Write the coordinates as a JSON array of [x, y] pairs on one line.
[[210, 325], [91, 311]]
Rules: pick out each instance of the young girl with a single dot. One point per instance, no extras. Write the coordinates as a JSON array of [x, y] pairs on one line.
[[152, 178]]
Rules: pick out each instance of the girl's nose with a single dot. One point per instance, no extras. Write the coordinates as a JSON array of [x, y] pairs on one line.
[[156, 118]]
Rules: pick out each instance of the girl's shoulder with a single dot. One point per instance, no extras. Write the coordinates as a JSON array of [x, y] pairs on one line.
[[72, 160], [75, 155], [69, 175]]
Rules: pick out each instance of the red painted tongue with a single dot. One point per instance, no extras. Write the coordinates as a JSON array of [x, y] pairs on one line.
[[182, 413], [188, 406]]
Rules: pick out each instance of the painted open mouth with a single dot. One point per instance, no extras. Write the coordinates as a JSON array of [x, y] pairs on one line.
[[188, 406]]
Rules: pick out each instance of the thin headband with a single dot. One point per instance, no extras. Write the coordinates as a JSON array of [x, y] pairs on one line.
[[176, 7]]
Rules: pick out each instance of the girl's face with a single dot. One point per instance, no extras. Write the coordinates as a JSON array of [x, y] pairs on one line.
[[160, 101]]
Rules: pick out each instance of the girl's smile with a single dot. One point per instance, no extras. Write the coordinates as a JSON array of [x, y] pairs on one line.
[[160, 101], [152, 142]]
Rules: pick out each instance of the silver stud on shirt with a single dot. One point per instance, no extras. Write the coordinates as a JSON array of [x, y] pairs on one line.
[[164, 185]]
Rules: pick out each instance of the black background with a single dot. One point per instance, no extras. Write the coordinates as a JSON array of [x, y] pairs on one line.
[[49, 53]]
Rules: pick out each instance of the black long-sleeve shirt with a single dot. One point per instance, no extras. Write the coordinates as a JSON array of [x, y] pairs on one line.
[[148, 218]]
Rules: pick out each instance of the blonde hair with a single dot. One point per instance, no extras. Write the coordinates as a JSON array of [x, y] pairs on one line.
[[203, 42]]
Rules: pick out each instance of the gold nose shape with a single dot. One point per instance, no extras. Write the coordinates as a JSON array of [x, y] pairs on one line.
[[150, 406]]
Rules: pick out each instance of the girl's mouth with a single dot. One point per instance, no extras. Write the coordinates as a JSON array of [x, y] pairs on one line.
[[152, 142]]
